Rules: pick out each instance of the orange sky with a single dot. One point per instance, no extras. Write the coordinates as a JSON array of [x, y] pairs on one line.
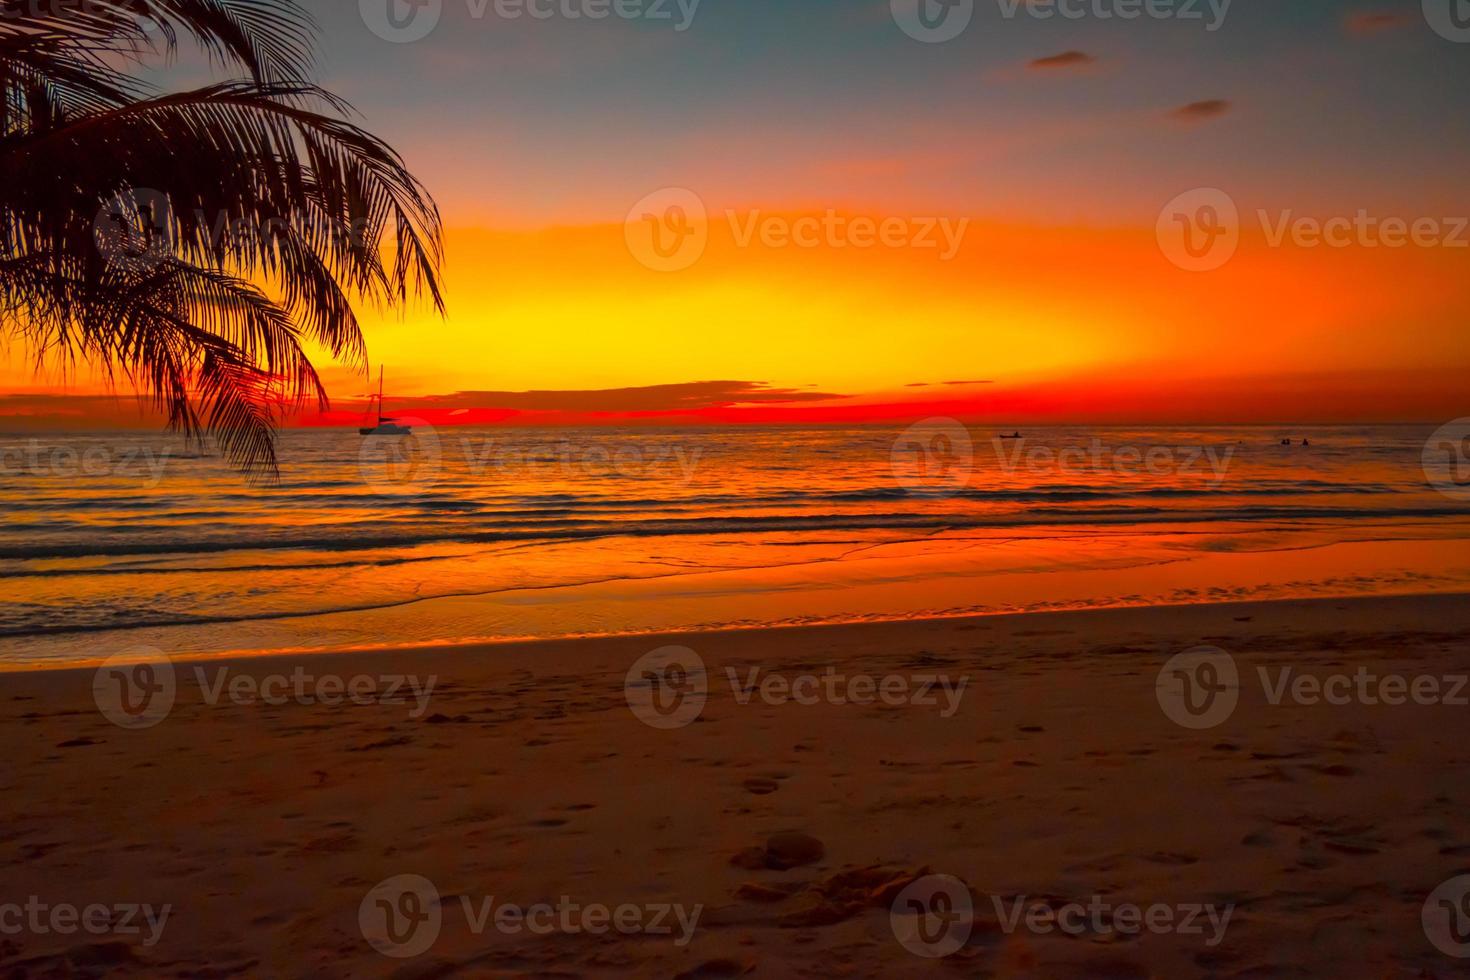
[[1065, 323], [1058, 142]]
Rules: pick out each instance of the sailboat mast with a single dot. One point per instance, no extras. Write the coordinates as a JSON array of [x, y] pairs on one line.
[[382, 410]]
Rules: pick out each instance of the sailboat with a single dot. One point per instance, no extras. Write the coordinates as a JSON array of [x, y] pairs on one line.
[[385, 426]]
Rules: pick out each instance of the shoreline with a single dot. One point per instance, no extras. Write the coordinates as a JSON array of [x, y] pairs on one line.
[[1365, 604]]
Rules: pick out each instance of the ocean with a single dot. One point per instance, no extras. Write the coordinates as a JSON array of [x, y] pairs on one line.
[[117, 541]]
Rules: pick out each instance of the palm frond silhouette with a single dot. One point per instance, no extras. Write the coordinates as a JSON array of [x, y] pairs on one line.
[[196, 242]]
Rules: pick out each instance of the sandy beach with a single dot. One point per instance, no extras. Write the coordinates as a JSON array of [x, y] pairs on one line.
[[669, 490], [555, 820]]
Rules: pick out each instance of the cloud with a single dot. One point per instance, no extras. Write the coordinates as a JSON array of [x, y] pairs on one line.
[[1364, 24], [688, 396], [1067, 59], [931, 384], [1202, 111], [43, 411], [90, 412]]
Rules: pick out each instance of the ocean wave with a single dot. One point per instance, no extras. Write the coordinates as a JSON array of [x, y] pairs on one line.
[[435, 501], [369, 535]]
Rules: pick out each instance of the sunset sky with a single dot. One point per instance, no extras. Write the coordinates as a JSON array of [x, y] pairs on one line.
[[1054, 144]]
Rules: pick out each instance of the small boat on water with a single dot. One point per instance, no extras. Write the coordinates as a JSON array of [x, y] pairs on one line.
[[385, 426], [1016, 436]]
